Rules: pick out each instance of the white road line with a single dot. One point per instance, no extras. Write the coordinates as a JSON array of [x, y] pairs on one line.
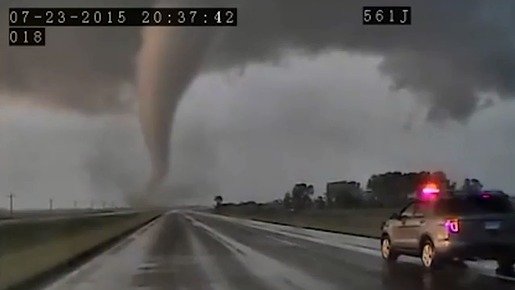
[[202, 256], [334, 243], [273, 272], [99, 264], [338, 243], [347, 242], [289, 243]]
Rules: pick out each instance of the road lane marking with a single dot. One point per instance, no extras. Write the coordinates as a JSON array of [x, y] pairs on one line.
[[286, 242], [73, 280], [343, 241], [271, 271], [319, 240], [203, 258], [345, 238]]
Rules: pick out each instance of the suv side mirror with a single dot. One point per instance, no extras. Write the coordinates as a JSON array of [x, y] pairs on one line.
[[394, 216]]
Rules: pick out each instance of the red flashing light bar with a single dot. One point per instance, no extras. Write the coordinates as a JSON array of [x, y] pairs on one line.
[[431, 188]]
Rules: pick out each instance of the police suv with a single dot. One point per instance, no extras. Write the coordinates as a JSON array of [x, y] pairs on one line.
[[442, 227]]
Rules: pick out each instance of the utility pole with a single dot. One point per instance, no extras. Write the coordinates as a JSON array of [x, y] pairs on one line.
[[51, 203], [11, 196], [103, 204]]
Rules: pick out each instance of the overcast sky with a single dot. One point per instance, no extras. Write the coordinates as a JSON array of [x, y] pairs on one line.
[[253, 123]]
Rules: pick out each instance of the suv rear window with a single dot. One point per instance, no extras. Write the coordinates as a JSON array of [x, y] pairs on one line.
[[474, 205]]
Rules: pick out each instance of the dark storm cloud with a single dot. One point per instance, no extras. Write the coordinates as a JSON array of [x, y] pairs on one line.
[[79, 68], [452, 52]]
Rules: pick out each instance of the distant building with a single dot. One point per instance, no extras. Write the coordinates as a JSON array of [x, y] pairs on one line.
[[344, 193], [345, 186]]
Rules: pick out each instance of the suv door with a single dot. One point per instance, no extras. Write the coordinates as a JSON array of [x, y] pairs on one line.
[[400, 233], [414, 225]]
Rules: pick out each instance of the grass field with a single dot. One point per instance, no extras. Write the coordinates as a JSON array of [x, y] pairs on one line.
[[29, 248], [365, 222], [359, 221], [15, 237]]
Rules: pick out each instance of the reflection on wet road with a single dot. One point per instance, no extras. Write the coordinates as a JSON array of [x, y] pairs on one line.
[[186, 250]]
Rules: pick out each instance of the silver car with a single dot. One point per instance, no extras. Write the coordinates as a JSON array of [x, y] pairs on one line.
[[455, 227]]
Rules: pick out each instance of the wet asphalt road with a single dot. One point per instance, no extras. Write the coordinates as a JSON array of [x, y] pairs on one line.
[[199, 251]]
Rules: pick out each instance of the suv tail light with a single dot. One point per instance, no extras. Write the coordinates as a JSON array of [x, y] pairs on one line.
[[452, 225]]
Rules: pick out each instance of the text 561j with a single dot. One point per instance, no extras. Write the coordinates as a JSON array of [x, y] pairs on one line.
[[395, 15]]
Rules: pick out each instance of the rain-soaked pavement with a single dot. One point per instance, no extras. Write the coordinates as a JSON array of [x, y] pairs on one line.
[[186, 250]]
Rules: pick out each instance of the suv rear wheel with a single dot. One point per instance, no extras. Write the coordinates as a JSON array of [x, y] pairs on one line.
[[428, 255], [387, 252]]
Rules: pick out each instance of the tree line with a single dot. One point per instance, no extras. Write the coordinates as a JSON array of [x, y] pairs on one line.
[[381, 190]]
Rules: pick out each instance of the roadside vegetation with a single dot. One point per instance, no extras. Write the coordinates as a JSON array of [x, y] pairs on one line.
[[345, 206], [29, 248]]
